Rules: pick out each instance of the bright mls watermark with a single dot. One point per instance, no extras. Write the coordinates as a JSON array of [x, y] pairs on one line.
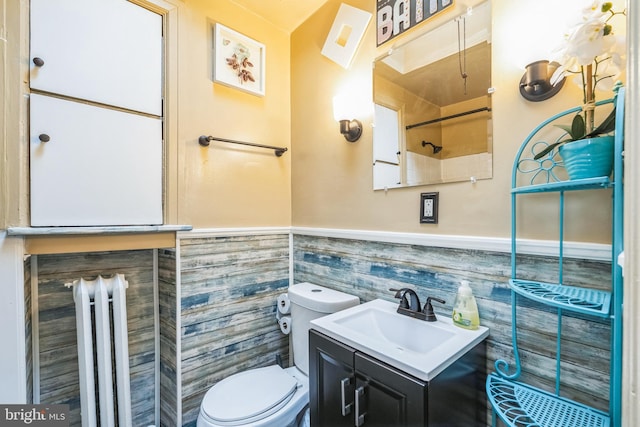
[[34, 415]]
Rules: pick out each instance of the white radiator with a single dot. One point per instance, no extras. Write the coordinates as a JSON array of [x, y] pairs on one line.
[[99, 293]]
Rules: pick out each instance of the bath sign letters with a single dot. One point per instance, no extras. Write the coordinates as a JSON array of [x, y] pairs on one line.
[[396, 16]]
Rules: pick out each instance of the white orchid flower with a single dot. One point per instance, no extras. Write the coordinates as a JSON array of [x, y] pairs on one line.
[[591, 47]]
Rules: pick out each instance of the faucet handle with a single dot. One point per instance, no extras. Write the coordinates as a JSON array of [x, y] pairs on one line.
[[401, 296], [441, 301], [412, 303], [428, 309]]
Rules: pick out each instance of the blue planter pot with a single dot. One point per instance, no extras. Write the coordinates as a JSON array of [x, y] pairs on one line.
[[588, 158]]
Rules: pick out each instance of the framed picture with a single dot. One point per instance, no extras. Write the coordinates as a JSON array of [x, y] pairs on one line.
[[429, 208], [238, 61]]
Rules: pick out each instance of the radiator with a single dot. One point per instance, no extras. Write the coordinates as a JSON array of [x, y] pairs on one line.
[[107, 296]]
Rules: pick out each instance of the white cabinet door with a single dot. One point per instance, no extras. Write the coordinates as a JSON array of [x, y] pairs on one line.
[[106, 51], [386, 139], [386, 148], [99, 167]]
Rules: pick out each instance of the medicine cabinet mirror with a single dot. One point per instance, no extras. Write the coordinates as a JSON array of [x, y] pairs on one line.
[[432, 100]]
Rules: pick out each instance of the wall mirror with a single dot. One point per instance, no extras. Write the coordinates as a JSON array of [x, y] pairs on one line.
[[432, 99]]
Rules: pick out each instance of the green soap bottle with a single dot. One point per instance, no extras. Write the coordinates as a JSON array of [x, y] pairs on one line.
[[465, 309]]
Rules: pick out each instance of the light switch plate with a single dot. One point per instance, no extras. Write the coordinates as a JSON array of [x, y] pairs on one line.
[[429, 208]]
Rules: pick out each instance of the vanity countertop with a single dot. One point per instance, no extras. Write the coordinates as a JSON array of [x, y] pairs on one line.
[[420, 348]]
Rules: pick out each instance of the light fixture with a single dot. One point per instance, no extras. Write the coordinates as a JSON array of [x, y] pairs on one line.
[[535, 84], [343, 111], [351, 129]]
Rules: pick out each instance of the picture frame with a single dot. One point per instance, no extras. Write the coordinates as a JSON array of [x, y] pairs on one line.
[[429, 208], [238, 61]]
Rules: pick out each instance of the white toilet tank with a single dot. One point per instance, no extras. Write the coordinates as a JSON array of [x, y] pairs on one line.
[[308, 302]]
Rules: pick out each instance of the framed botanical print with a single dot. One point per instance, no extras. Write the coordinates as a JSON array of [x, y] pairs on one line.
[[238, 61]]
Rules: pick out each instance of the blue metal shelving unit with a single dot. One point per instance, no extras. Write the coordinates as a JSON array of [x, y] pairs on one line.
[[521, 405]]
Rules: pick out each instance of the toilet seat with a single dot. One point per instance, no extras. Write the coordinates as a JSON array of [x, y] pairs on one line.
[[248, 396]]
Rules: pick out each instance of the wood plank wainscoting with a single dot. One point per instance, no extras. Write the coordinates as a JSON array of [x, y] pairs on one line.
[[218, 314], [196, 314], [55, 362], [28, 329], [369, 268], [205, 309]]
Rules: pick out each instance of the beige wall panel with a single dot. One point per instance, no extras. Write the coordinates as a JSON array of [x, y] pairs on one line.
[[330, 183], [35, 245], [332, 179], [227, 185]]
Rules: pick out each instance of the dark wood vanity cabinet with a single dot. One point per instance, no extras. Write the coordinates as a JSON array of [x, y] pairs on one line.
[[350, 388]]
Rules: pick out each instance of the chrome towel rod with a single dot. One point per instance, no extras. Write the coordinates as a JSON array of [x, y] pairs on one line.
[[453, 116], [205, 140]]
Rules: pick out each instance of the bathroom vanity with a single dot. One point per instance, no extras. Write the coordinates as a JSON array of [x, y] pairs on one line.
[[353, 383]]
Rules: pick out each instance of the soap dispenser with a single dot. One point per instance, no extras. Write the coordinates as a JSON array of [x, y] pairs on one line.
[[465, 309]]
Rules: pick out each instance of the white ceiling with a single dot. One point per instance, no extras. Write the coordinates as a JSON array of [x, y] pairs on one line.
[[285, 14]]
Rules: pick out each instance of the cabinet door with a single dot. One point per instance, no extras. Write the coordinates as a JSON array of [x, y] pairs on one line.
[[386, 397], [386, 135], [106, 51], [99, 167], [331, 382]]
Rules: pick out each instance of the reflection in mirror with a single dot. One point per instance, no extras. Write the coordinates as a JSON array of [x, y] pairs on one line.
[[433, 106]]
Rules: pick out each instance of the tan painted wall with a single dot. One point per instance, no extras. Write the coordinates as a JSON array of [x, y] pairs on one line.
[[228, 185], [323, 181], [332, 179], [223, 185]]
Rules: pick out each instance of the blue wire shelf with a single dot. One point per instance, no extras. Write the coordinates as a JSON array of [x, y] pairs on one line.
[[520, 405], [591, 302], [571, 185]]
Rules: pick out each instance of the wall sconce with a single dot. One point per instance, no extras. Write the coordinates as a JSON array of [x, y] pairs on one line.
[[343, 112], [535, 84]]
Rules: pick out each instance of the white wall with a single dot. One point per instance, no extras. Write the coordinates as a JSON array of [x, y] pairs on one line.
[[12, 329], [631, 339]]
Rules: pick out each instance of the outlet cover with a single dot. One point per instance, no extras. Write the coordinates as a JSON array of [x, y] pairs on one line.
[[429, 208]]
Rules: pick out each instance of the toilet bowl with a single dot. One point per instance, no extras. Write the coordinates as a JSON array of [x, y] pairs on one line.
[[262, 397], [272, 396]]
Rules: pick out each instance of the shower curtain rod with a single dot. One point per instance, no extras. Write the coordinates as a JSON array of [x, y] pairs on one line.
[[204, 141], [453, 116]]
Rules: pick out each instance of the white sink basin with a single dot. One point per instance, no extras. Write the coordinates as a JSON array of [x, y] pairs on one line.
[[420, 348]]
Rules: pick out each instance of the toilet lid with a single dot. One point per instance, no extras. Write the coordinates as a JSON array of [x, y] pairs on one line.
[[248, 396]]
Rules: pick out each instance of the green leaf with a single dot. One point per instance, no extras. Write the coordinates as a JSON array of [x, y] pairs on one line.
[[608, 125], [568, 129], [577, 131], [547, 150], [578, 128]]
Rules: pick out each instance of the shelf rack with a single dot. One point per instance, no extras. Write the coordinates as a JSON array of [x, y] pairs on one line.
[[525, 406], [521, 405], [571, 298]]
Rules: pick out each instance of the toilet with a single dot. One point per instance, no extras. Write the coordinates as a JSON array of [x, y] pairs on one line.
[[272, 396]]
